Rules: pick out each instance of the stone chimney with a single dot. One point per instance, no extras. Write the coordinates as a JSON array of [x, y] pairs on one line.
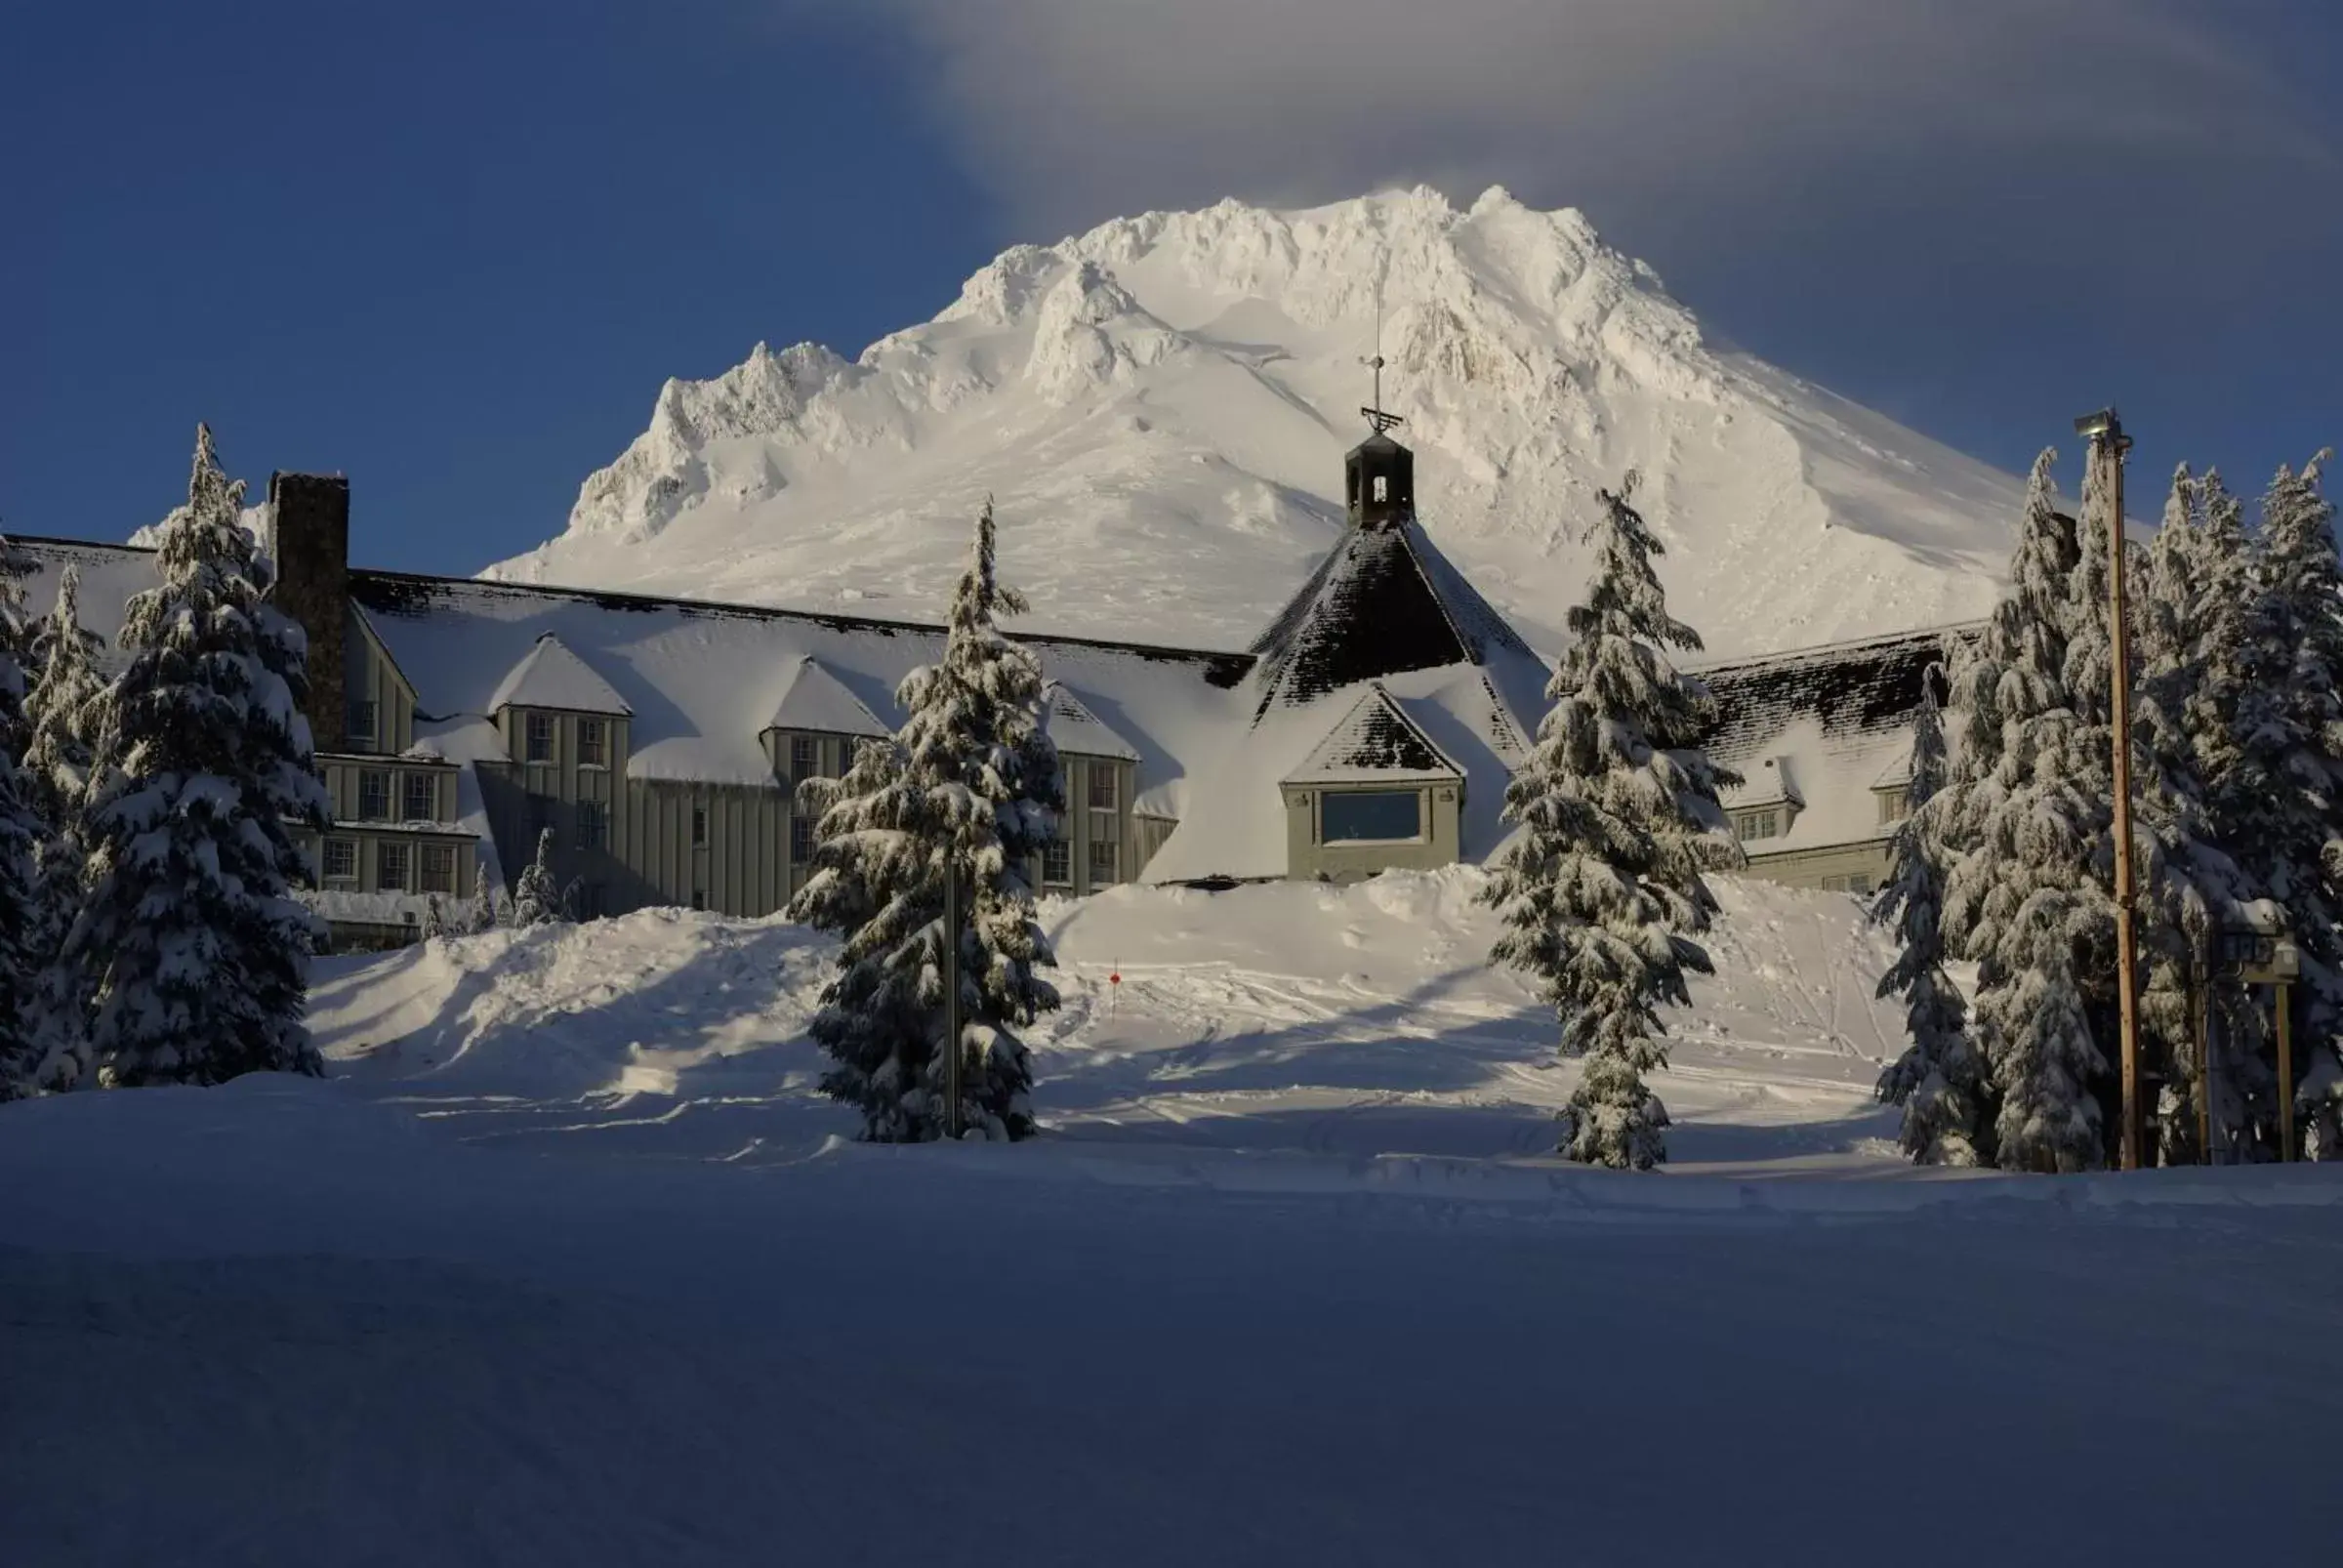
[[309, 535]]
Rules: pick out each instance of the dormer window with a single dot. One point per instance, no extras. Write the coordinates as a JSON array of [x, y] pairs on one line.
[[359, 728], [537, 737]]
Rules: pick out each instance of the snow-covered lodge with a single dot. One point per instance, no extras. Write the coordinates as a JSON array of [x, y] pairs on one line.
[[1373, 725]]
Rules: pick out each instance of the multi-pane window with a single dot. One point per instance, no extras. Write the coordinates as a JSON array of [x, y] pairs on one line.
[[391, 867], [699, 827], [357, 726], [594, 743], [1370, 816], [438, 868], [593, 824], [801, 840], [1057, 864], [340, 860], [1894, 806], [1102, 787], [537, 739], [1748, 825], [374, 795], [422, 798], [803, 755], [1103, 861]]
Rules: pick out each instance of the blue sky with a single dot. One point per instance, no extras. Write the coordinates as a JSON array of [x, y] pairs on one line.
[[453, 250]]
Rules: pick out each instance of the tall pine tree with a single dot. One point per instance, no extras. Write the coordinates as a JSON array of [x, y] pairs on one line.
[[1939, 1079], [2291, 826], [62, 712], [1603, 893], [20, 833], [190, 946], [2020, 897], [969, 789]]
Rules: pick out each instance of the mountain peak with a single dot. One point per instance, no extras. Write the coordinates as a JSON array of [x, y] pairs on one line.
[[1160, 405]]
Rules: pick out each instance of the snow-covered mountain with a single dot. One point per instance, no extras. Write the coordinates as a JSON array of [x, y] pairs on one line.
[[1160, 407]]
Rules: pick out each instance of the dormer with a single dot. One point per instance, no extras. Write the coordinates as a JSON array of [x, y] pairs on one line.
[[1767, 801], [554, 710], [815, 724]]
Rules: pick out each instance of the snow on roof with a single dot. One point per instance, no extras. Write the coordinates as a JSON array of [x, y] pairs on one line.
[[704, 681], [1073, 728], [812, 698], [1375, 741], [1235, 825], [1382, 602], [1773, 781], [1852, 688], [551, 676]]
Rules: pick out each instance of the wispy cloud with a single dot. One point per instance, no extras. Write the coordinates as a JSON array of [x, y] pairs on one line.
[[1077, 109]]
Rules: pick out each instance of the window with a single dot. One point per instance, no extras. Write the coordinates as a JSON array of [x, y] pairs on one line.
[[1748, 825], [1860, 886], [1382, 488], [593, 825], [699, 827], [800, 841], [423, 798], [1101, 786], [594, 743], [341, 860], [699, 898], [803, 756], [374, 795], [391, 867], [1894, 806], [1057, 864], [1373, 816], [438, 868], [357, 724], [537, 730], [1102, 861]]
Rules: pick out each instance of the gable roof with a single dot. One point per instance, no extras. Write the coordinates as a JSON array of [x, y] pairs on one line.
[[812, 698], [1852, 689], [1073, 728], [1375, 741], [549, 675]]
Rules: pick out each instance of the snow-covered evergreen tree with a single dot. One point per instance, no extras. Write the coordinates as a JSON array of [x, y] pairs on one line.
[[537, 897], [1603, 893], [969, 788], [20, 833], [1939, 1079], [482, 915], [2290, 809], [2020, 895], [190, 947], [62, 712]]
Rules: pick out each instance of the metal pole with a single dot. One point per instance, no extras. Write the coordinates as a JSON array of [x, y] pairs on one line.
[[2205, 1069], [952, 1002], [2110, 446], [2286, 1071]]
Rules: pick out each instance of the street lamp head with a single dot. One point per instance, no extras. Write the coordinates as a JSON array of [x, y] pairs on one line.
[[2102, 424]]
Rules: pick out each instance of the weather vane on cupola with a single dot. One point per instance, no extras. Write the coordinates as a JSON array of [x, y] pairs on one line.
[[1375, 415]]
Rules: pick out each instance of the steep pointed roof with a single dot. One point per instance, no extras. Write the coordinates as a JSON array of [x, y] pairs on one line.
[[1382, 603], [812, 698], [1376, 741], [549, 675], [1072, 728]]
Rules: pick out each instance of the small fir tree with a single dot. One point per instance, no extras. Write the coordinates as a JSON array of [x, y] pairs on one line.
[[20, 833], [537, 897], [482, 915], [968, 790], [1604, 894], [191, 948], [1938, 1080]]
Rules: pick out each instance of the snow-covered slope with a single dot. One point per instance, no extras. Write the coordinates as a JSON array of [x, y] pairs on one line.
[[1161, 406]]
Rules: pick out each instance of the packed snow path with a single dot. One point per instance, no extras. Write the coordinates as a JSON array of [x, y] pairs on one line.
[[1361, 1022]]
